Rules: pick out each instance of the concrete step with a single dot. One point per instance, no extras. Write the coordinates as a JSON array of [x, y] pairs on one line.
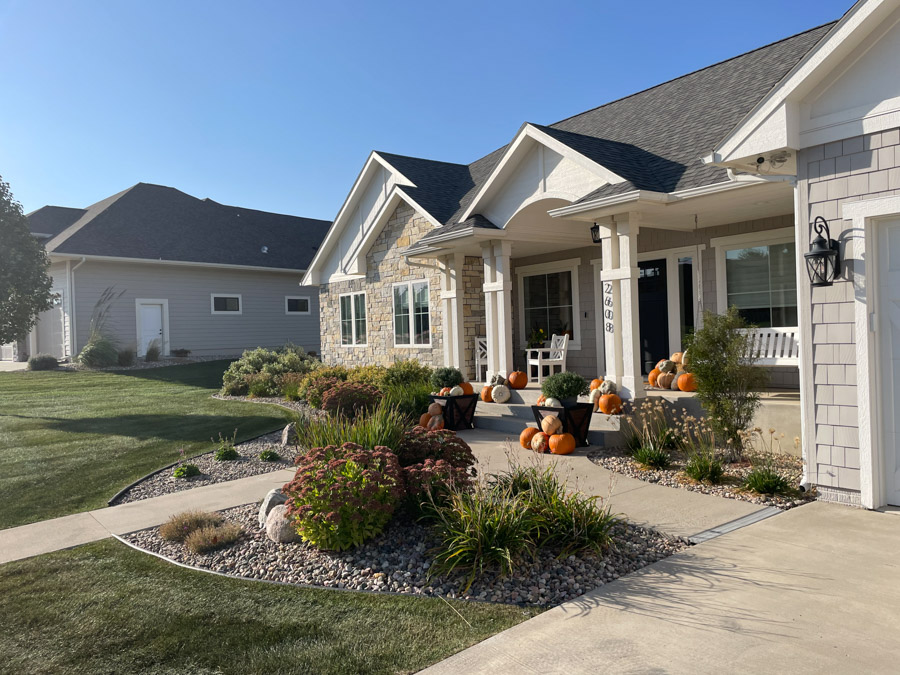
[[514, 425]]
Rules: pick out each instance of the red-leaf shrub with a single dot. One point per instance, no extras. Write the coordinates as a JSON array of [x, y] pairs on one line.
[[350, 398], [434, 460], [341, 496], [314, 387]]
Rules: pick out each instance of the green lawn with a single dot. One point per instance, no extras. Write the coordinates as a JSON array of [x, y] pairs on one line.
[[104, 608], [70, 440]]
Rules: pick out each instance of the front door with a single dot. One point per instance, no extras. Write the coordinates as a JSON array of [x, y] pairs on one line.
[[151, 326], [653, 310], [889, 338]]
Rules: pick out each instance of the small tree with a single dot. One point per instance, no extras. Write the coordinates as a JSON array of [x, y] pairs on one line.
[[728, 382], [24, 282]]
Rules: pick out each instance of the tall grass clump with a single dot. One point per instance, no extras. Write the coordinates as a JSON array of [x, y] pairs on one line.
[[153, 351], [100, 350], [383, 426], [410, 399]]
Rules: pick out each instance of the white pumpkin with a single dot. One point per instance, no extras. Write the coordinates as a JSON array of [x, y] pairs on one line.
[[500, 393], [552, 403], [608, 387], [595, 398], [457, 391]]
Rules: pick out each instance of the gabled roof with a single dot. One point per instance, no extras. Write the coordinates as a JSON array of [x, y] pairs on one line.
[[154, 222], [49, 221]]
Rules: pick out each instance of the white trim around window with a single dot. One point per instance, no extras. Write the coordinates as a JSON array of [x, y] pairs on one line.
[[356, 319], [232, 312], [287, 305], [570, 265], [411, 313]]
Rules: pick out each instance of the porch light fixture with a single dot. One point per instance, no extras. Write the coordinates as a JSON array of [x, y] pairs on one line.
[[823, 260], [595, 233]]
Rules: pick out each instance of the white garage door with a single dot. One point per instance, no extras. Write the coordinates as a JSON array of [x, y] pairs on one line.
[[889, 328]]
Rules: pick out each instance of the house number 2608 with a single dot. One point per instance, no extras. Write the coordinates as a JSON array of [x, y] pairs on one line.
[[608, 303]]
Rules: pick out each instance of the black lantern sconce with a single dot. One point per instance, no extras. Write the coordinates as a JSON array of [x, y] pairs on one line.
[[823, 260], [595, 233]]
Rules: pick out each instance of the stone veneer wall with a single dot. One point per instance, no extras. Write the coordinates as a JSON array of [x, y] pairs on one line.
[[830, 175], [385, 266], [473, 311]]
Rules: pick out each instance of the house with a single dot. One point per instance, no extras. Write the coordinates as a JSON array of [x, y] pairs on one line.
[[189, 273], [622, 224]]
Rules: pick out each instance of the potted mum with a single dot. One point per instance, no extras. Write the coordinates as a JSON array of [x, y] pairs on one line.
[[565, 387]]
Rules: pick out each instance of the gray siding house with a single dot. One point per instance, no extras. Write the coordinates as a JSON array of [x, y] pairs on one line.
[[189, 273]]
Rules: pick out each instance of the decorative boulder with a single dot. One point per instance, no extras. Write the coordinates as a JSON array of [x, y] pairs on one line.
[[289, 435], [270, 501], [278, 528], [500, 393], [608, 387]]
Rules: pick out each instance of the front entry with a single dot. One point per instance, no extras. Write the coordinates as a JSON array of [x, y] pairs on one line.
[[653, 310], [151, 325], [889, 338]]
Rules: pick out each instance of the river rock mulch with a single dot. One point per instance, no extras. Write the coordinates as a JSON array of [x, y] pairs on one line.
[[301, 407], [616, 459], [397, 561], [212, 471]]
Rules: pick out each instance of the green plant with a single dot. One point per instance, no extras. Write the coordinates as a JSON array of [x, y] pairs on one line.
[[315, 385], [261, 385], [269, 455], [273, 363], [289, 383], [186, 471], [371, 375], [728, 382], [536, 338], [650, 423], [126, 357], [406, 372], [180, 526], [181, 353], [704, 467], [433, 462], [225, 452], [350, 398], [565, 385], [211, 538], [652, 457], [153, 351], [446, 377], [100, 350], [342, 496], [383, 426], [43, 362], [410, 399], [766, 480]]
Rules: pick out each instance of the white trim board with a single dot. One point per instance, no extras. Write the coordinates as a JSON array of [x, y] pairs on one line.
[[164, 347], [298, 297], [570, 265], [212, 303]]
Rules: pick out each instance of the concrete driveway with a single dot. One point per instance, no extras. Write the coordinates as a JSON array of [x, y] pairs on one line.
[[816, 589], [12, 366]]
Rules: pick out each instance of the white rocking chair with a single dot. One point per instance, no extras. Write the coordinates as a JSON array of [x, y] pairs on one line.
[[481, 358], [555, 356]]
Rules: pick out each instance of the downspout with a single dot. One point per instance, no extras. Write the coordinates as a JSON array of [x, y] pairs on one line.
[[72, 314]]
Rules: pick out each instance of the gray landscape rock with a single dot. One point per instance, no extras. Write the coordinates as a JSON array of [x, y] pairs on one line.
[[271, 500], [278, 528], [289, 436]]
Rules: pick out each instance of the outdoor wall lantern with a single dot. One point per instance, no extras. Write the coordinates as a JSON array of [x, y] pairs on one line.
[[595, 233], [823, 260]]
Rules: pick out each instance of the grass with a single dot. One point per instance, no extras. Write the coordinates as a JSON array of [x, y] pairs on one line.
[[70, 440], [105, 608]]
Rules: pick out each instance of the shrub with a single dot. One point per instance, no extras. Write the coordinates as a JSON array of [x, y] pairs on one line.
[[261, 385], [728, 382], [211, 538], [127, 357], [652, 457], [704, 466], [269, 455], [766, 480], [289, 385], [650, 423], [410, 399], [419, 444], [446, 377], [274, 363], [180, 526], [408, 372], [152, 353], [99, 352], [43, 362], [350, 399], [342, 496], [225, 451], [371, 375], [181, 353], [314, 387], [383, 426], [565, 385], [186, 471], [434, 463]]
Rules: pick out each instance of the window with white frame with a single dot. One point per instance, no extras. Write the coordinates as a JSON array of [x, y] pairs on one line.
[[412, 314], [757, 274], [226, 303], [548, 300], [296, 304], [353, 319]]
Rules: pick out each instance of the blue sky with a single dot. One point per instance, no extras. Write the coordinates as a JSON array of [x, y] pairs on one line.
[[276, 105]]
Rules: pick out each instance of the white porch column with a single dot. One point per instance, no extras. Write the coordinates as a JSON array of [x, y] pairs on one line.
[[632, 384], [612, 320], [451, 297], [502, 287], [490, 308]]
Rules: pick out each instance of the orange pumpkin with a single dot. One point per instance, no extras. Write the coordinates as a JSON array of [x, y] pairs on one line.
[[526, 436], [596, 382], [517, 380], [562, 444], [424, 420], [467, 388], [541, 400], [486, 394], [444, 392], [687, 382], [540, 441], [651, 378], [610, 404]]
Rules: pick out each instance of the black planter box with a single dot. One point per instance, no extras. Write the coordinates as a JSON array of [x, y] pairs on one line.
[[459, 411], [576, 420]]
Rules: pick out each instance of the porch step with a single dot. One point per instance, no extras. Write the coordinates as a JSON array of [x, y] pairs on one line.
[[511, 418]]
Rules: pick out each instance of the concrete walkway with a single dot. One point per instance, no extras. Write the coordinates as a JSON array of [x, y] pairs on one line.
[[80, 528], [12, 366], [816, 589]]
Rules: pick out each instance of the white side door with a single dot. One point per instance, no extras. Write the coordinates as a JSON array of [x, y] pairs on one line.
[[150, 320], [889, 338]]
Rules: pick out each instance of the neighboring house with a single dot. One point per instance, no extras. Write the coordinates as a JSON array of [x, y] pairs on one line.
[[190, 273], [700, 194]]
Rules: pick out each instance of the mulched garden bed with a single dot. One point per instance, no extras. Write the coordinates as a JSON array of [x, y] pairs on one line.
[[616, 459], [248, 464], [301, 407], [397, 561]]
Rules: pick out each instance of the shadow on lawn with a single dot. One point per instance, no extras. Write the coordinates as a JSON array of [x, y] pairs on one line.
[[190, 428], [205, 374]]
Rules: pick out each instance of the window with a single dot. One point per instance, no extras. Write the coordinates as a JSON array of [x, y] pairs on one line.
[[412, 318], [548, 300], [226, 304], [296, 304], [353, 319]]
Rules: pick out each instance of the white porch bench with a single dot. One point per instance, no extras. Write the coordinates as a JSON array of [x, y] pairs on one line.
[[551, 357], [774, 346]]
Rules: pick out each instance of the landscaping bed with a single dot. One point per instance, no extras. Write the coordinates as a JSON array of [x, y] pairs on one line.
[[212, 471], [397, 561], [618, 460]]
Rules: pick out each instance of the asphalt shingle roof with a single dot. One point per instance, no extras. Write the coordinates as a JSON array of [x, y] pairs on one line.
[[154, 222], [51, 220], [653, 139]]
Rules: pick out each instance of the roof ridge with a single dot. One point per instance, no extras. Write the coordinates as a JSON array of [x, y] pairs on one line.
[[423, 159], [694, 72]]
